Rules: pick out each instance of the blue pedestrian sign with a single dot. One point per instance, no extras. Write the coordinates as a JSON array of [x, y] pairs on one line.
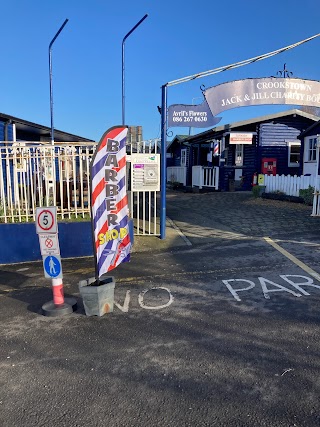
[[52, 267]]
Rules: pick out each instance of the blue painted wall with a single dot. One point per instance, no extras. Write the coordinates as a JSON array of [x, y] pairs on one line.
[[20, 243]]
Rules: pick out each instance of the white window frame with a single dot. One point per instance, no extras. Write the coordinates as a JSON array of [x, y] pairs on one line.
[[290, 144], [183, 160], [310, 153], [238, 160]]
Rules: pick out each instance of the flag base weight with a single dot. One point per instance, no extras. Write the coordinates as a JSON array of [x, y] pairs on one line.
[[98, 298], [52, 310]]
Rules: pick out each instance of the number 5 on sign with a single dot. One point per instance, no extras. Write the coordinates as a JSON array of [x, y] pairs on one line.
[[46, 220]]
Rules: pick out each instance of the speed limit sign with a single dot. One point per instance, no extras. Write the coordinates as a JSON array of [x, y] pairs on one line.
[[46, 220]]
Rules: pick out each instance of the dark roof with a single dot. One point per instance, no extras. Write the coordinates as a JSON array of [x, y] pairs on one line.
[[177, 138], [40, 130], [227, 127], [181, 137], [314, 125], [169, 143]]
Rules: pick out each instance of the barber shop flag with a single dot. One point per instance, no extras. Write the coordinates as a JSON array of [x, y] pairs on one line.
[[109, 204]]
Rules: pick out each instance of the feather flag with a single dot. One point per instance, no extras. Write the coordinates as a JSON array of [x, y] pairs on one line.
[[109, 204]]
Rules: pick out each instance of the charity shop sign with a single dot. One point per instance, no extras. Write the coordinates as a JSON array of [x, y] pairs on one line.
[[240, 137], [262, 91]]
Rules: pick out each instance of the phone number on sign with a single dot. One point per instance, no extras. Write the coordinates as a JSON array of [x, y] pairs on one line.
[[189, 119]]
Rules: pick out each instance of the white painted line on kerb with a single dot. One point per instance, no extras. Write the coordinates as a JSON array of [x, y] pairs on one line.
[[293, 259], [173, 225]]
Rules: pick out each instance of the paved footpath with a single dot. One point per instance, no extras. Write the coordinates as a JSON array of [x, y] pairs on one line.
[[218, 325]]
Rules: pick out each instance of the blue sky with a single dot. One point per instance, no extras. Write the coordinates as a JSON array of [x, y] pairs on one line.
[[179, 38]]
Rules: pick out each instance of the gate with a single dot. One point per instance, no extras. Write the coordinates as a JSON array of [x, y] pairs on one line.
[[143, 183], [204, 176], [35, 174]]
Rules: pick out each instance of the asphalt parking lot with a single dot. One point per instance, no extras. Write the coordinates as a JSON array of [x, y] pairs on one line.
[[217, 325]]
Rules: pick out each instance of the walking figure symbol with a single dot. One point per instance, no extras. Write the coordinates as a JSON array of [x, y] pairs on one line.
[[52, 265]]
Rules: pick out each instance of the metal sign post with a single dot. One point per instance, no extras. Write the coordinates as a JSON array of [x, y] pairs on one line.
[[47, 230], [315, 207]]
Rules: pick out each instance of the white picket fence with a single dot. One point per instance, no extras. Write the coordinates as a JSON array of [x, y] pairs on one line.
[[203, 176], [177, 174], [289, 185]]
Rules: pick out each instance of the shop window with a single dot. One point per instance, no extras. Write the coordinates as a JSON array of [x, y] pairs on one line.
[[294, 153], [183, 161], [311, 149]]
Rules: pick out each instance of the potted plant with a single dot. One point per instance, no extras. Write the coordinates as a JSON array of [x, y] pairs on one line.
[[258, 190]]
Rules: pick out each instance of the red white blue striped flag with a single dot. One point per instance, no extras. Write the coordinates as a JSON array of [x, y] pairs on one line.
[[109, 204]]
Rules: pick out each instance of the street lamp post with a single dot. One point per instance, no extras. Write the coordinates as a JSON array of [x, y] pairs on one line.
[[50, 77], [123, 41], [60, 305]]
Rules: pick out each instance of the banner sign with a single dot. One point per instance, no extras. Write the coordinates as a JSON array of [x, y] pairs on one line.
[[109, 202], [272, 90], [145, 172], [195, 116], [240, 138]]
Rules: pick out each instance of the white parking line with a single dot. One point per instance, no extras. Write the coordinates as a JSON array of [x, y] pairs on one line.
[[293, 259]]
